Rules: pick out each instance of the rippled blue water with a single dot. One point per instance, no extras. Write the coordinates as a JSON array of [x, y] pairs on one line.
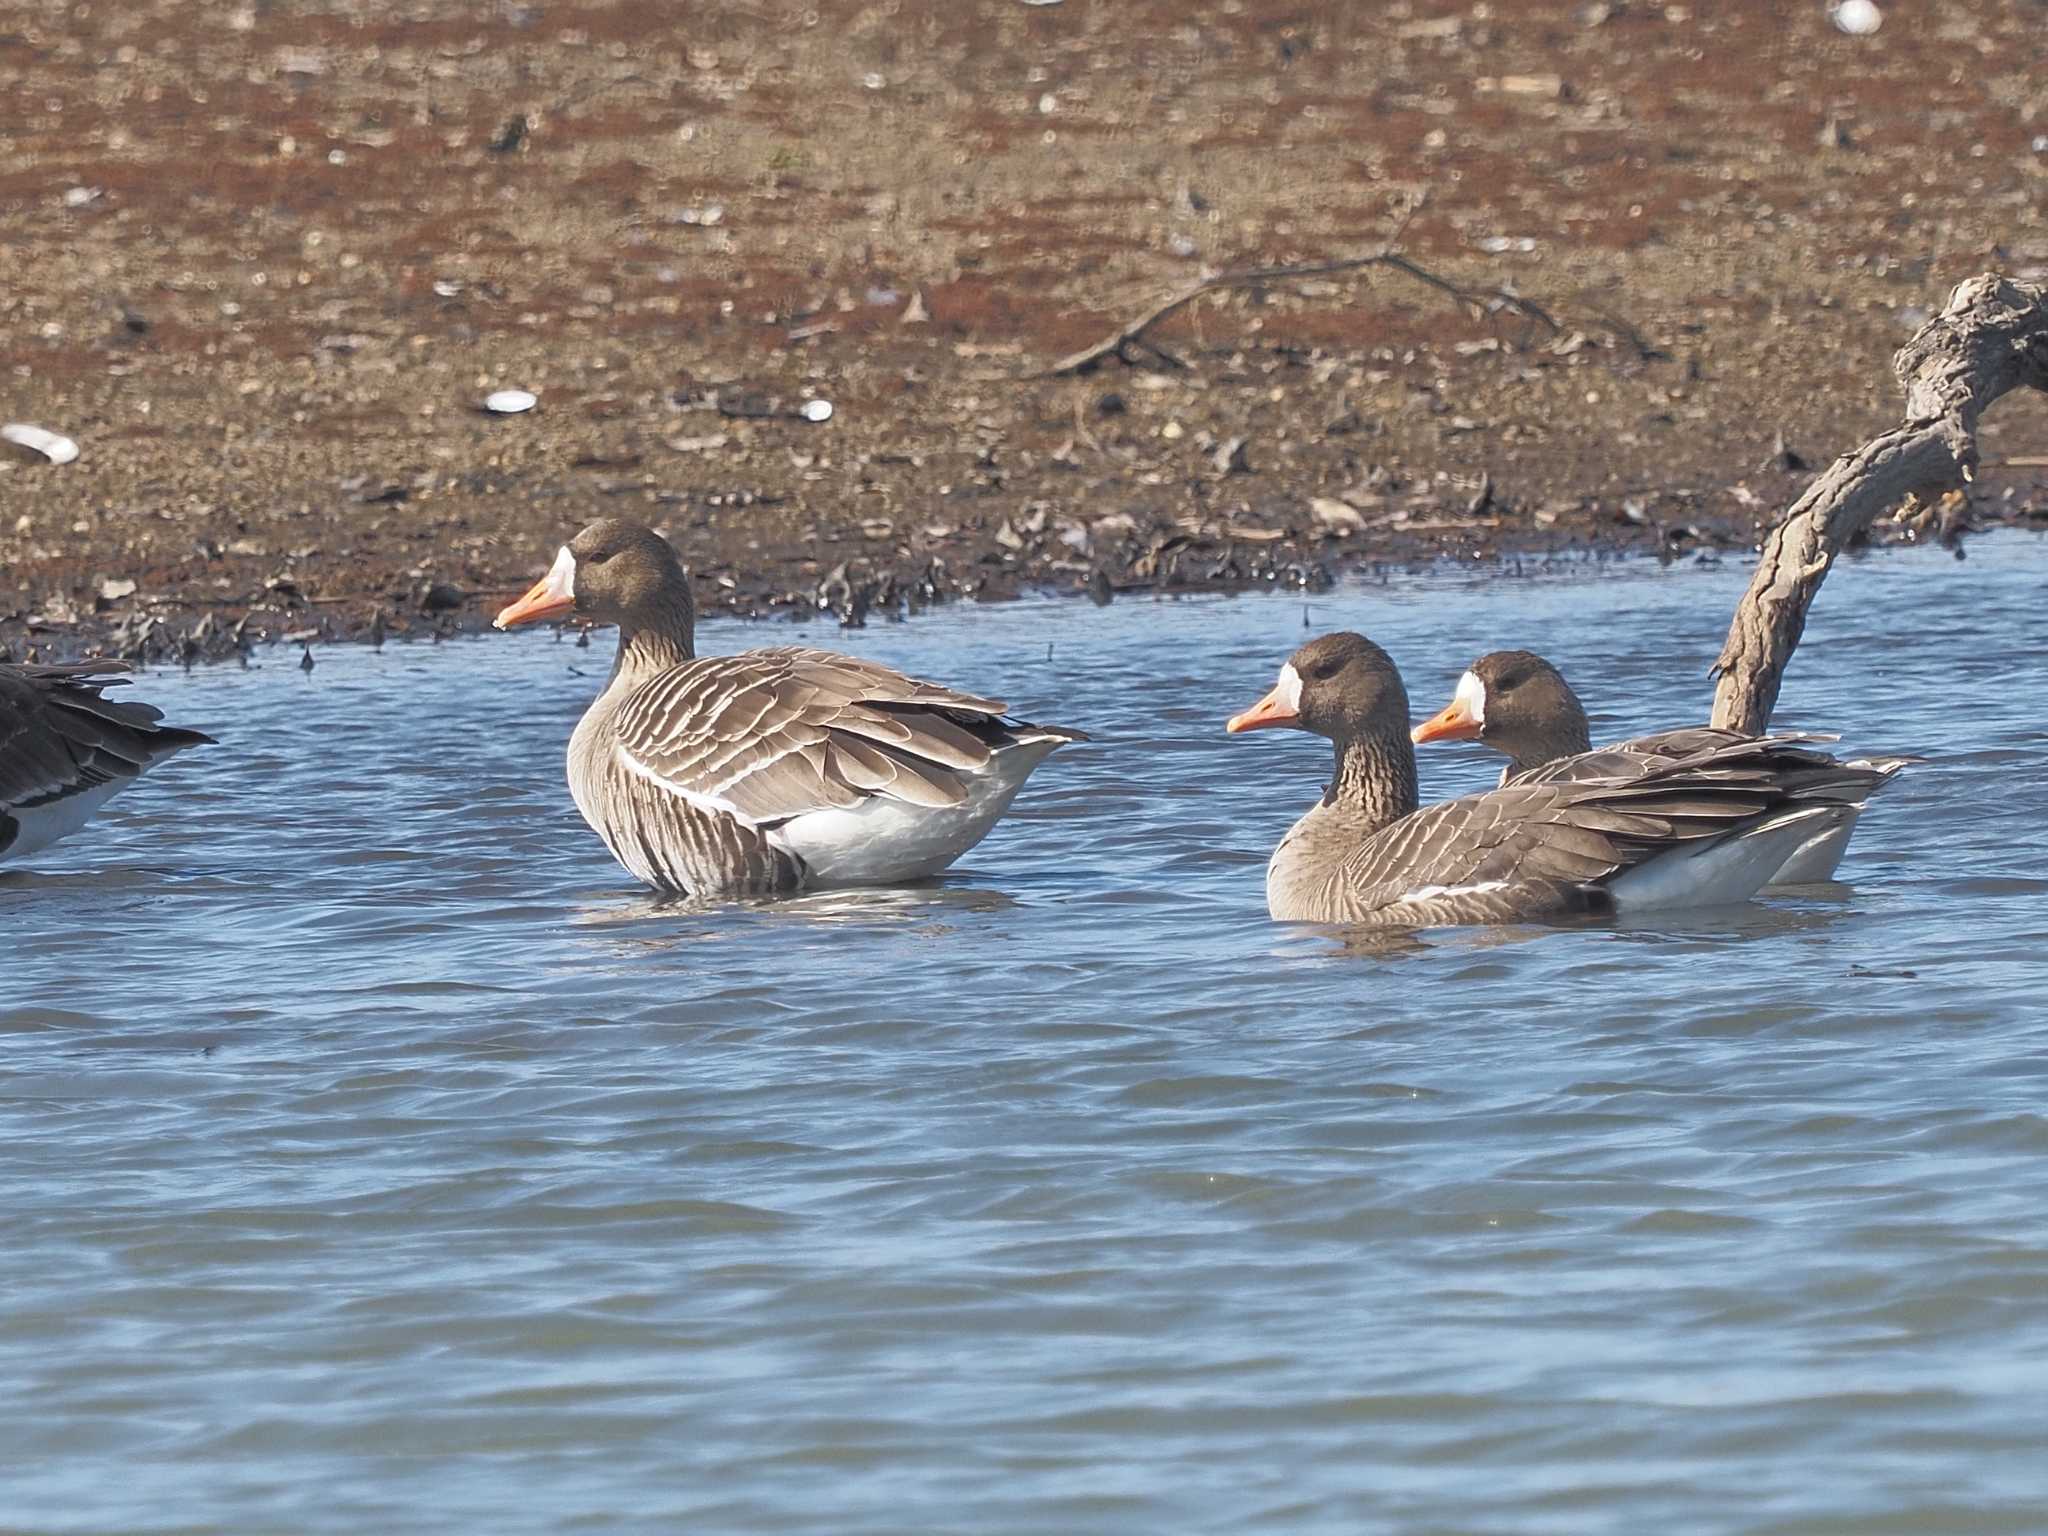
[[377, 1158]]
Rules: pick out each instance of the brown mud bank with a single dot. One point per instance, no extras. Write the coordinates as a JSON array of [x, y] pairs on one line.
[[264, 262]]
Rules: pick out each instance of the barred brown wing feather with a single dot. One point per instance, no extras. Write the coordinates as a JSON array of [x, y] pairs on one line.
[[864, 767], [874, 683], [1505, 835], [1691, 746], [1547, 844], [1445, 863], [773, 734], [901, 776], [1628, 759]]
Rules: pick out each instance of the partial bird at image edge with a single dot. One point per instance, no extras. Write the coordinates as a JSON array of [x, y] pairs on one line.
[[66, 749]]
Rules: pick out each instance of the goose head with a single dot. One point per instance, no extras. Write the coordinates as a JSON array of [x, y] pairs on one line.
[[613, 572], [1341, 686], [1516, 703]]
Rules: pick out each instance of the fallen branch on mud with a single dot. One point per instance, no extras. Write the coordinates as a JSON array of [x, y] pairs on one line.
[[1127, 341], [1990, 338]]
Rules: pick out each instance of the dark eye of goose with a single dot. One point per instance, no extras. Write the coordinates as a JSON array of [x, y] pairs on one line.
[[599, 558], [1323, 671]]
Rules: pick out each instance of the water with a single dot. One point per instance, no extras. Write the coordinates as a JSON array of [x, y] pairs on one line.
[[377, 1158]]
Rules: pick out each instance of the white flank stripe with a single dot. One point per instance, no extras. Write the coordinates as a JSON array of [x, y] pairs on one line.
[[755, 765], [711, 803], [1432, 892]]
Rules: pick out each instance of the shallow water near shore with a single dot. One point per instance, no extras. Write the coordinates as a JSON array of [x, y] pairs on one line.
[[376, 1156]]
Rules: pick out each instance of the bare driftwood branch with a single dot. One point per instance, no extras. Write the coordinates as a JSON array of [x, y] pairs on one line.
[[1128, 340], [1991, 338]]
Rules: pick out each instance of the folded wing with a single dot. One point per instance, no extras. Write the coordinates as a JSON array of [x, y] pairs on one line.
[[771, 735], [59, 736], [1554, 844]]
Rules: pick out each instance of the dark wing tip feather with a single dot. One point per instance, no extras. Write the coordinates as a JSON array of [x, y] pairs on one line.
[[101, 671]]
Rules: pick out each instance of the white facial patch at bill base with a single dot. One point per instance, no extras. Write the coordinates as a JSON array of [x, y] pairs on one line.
[[1471, 696], [562, 575], [1287, 692]]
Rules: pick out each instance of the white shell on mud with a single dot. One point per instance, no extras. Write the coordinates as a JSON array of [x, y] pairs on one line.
[[54, 446], [815, 410], [510, 402], [1858, 18]]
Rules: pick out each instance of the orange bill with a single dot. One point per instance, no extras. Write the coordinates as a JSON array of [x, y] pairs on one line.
[[1453, 722], [1274, 709], [553, 596]]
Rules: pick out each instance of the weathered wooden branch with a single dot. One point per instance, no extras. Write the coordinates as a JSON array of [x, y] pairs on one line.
[[1990, 338]]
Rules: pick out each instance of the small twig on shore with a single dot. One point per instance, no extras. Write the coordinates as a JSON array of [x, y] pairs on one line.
[[1647, 351], [1127, 340]]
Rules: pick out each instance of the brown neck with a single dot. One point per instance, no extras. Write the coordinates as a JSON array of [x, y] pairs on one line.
[[1566, 737], [1375, 780], [659, 636]]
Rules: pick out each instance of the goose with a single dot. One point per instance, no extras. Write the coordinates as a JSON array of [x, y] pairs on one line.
[[772, 769], [1520, 705], [1695, 831], [66, 750]]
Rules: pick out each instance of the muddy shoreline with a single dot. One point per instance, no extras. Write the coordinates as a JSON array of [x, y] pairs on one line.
[[185, 627], [265, 270]]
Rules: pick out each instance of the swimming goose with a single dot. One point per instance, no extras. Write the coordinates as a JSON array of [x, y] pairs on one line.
[[65, 751], [1694, 832], [774, 768], [1520, 705]]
